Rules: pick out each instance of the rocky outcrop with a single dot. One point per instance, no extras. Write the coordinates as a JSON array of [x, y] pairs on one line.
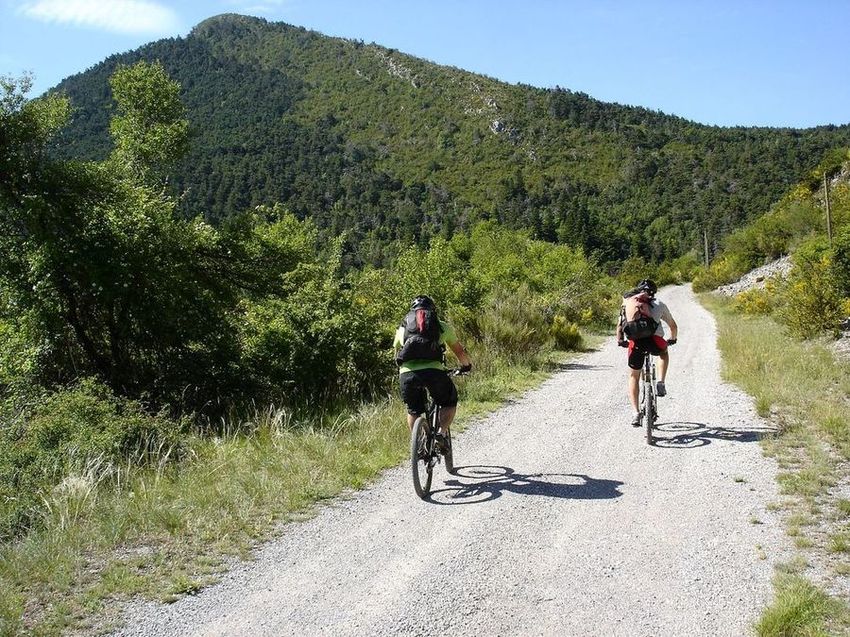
[[757, 278]]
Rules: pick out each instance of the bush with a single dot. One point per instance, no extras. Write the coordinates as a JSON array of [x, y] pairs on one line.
[[318, 342], [565, 334], [841, 262], [61, 434], [514, 326], [756, 301], [811, 302], [722, 270]]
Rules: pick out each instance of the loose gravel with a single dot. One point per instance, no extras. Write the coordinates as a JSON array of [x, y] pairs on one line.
[[560, 521]]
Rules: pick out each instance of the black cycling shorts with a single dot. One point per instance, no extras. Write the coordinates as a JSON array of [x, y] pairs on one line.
[[435, 381], [638, 349]]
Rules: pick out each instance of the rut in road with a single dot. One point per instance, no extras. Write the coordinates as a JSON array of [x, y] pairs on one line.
[[561, 521]]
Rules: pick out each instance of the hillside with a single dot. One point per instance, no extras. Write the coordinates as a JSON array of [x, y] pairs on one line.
[[388, 146]]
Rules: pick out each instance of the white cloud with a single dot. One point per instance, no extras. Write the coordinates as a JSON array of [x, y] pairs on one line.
[[121, 16], [257, 7]]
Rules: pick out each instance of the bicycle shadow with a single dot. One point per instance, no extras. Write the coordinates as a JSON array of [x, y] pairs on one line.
[[689, 435], [475, 484], [567, 367]]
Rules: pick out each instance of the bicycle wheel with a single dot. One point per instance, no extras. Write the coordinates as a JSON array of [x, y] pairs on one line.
[[448, 454], [421, 449], [649, 409]]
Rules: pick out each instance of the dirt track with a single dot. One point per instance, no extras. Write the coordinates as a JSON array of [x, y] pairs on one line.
[[561, 521]]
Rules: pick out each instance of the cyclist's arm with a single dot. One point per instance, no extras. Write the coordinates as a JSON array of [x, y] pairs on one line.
[[620, 323], [674, 329], [460, 352]]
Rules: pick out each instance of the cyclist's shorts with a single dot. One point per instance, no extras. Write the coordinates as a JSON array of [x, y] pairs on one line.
[[435, 381], [654, 344]]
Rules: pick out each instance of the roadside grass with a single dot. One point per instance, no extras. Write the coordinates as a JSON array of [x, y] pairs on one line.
[[800, 609], [169, 531], [803, 389]]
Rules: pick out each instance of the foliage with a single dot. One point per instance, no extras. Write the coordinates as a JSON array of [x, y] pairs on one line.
[[841, 262], [811, 304], [755, 300], [566, 335], [316, 341], [50, 436], [150, 130], [725, 269], [677, 271], [513, 326]]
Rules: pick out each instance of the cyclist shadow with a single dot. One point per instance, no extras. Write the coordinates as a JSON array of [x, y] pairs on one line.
[[688, 435], [475, 484], [577, 366]]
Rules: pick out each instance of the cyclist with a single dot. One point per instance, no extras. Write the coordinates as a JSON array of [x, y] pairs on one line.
[[641, 315], [420, 344]]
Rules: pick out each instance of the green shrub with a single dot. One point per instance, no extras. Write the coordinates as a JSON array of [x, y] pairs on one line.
[[319, 341], [811, 302], [66, 433], [756, 301], [565, 334], [677, 271], [841, 262], [723, 270], [514, 326]]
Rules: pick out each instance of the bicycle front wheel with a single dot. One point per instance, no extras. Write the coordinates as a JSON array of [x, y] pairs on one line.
[[649, 411], [421, 451]]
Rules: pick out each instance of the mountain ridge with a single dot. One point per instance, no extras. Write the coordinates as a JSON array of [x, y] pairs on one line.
[[390, 147]]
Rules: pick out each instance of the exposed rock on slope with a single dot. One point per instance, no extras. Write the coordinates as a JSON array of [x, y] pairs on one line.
[[757, 278]]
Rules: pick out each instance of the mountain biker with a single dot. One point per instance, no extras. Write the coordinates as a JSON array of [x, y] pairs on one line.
[[420, 343], [638, 303]]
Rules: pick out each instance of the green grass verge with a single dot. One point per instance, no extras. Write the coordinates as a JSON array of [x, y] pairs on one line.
[[165, 532], [803, 389], [800, 610]]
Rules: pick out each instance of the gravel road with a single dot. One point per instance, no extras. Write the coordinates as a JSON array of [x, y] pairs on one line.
[[561, 521]]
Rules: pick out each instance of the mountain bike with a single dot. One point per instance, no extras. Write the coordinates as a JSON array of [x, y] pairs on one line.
[[425, 450]]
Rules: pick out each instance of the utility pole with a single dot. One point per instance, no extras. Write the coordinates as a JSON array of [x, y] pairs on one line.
[[705, 244], [828, 213]]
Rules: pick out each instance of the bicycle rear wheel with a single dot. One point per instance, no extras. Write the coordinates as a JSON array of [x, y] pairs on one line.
[[421, 451]]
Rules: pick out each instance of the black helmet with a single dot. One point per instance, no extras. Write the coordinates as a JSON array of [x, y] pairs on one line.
[[648, 285], [423, 302]]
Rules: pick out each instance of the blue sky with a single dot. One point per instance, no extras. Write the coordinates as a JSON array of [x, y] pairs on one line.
[[726, 62]]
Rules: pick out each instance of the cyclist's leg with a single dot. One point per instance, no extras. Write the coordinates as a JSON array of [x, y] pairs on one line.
[[663, 354], [634, 382], [636, 356], [444, 393], [413, 394]]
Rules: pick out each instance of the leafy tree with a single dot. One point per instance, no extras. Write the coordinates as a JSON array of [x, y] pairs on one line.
[[150, 130]]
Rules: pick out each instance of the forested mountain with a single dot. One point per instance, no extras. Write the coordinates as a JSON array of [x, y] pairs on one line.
[[391, 147]]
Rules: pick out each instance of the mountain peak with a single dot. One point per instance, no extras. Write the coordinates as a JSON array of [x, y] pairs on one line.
[[227, 21]]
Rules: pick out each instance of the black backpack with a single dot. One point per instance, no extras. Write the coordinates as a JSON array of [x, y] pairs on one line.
[[421, 340], [641, 324]]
